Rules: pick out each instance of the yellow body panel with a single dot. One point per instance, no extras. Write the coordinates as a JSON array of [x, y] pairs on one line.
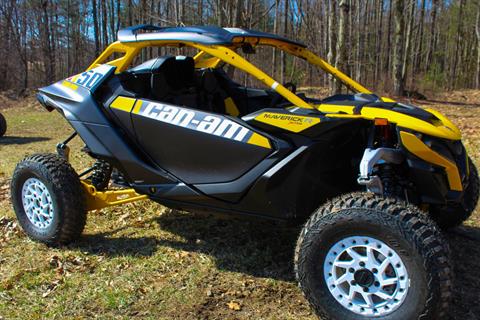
[[288, 122], [444, 128], [137, 107], [259, 140], [231, 107], [333, 108], [123, 103], [386, 99], [421, 150], [69, 85]]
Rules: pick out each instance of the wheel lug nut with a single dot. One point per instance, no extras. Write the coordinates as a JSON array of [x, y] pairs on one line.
[[374, 270], [365, 289], [362, 264], [353, 283], [377, 284], [351, 270]]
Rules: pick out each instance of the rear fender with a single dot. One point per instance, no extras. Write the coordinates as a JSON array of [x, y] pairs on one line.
[[74, 99], [73, 96]]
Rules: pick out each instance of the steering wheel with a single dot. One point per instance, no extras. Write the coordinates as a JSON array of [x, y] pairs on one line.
[[278, 97]]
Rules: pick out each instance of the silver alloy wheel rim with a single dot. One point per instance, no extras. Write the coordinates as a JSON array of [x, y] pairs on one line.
[[37, 203], [360, 258]]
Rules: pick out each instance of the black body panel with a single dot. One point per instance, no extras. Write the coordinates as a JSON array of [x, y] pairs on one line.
[[196, 157]]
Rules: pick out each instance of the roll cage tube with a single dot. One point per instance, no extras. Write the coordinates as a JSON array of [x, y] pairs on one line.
[[228, 55]]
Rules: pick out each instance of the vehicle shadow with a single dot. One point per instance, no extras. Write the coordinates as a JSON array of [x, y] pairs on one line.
[[107, 244], [259, 248], [9, 140]]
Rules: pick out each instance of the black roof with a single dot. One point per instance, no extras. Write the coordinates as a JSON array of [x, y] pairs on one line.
[[209, 35]]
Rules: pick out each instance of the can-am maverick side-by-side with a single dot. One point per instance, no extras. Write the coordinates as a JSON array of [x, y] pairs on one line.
[[372, 177]]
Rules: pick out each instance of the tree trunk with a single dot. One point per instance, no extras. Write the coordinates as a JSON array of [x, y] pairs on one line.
[[398, 81], [458, 43], [419, 45], [431, 46], [104, 23], [408, 40], [95, 28], [341, 59], [285, 33], [477, 32], [332, 39], [389, 39], [275, 31]]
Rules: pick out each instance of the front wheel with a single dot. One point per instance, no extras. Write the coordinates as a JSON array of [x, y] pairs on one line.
[[361, 256], [48, 199]]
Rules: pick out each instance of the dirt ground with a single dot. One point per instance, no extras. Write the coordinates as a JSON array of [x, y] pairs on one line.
[[145, 261]]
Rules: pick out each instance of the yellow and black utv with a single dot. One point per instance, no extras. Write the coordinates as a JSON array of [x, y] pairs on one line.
[[179, 131]]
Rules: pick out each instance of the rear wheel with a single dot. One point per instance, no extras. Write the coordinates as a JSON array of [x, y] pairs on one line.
[[362, 256], [3, 125], [48, 199], [450, 216]]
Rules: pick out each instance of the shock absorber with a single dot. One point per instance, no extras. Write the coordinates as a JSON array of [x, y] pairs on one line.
[[386, 172], [101, 172]]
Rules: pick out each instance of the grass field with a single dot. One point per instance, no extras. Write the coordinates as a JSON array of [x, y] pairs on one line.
[[145, 261]]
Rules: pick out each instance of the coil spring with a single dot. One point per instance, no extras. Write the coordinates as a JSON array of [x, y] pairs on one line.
[[101, 173]]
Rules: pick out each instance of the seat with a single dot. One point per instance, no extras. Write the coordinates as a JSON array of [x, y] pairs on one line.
[[173, 80]]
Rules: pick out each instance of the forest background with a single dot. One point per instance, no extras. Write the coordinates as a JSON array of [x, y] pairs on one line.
[[396, 46]]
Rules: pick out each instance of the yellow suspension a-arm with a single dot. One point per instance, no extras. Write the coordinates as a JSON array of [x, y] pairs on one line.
[[97, 200]]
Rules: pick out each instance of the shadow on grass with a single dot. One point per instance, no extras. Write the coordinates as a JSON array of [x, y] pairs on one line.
[[101, 244], [465, 246], [105, 244], [8, 140], [258, 248]]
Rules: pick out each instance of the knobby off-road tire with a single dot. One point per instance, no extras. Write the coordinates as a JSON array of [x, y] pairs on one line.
[[3, 125], [454, 215], [388, 229], [48, 199]]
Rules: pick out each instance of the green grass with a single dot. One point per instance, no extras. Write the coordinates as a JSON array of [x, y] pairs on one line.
[[145, 261]]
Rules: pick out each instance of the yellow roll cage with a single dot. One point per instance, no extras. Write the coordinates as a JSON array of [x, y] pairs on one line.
[[228, 55]]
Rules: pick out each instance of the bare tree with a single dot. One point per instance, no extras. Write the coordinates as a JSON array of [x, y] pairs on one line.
[[341, 58], [477, 32], [398, 81], [332, 38]]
